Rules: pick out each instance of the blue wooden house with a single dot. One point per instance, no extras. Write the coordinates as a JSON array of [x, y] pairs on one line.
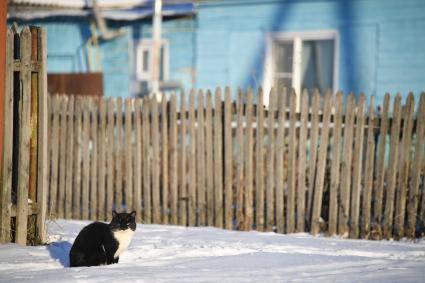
[[369, 46]]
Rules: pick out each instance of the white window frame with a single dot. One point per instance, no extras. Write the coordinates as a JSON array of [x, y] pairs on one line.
[[143, 45], [297, 38]]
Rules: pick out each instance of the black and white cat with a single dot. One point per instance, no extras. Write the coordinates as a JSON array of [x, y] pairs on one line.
[[100, 243]]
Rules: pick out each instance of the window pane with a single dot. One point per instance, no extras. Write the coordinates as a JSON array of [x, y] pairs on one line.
[[317, 65], [283, 53], [145, 60]]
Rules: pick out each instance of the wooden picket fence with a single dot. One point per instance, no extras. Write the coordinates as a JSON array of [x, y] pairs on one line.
[[334, 166], [24, 184]]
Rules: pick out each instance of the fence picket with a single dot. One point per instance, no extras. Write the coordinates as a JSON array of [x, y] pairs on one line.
[[101, 188], [147, 207], [259, 162], [54, 157], [314, 133], [280, 150], [128, 155], [380, 168], [164, 160], [218, 167], [357, 169], [414, 194], [321, 166], [76, 188], [94, 111], [192, 162], [405, 156], [118, 149], [302, 146], [239, 163], [392, 169], [156, 213], [86, 166], [228, 160], [292, 172], [110, 162], [69, 158], [209, 160], [173, 147], [334, 193], [368, 173], [270, 163], [137, 174], [344, 205], [248, 151], [200, 166], [183, 193]]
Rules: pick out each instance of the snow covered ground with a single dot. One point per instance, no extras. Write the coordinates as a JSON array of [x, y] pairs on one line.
[[179, 254]]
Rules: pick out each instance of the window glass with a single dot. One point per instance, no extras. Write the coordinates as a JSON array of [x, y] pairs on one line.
[[317, 65], [145, 60], [283, 53]]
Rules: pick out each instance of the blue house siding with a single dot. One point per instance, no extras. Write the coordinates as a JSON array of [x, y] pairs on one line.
[[67, 50], [381, 42]]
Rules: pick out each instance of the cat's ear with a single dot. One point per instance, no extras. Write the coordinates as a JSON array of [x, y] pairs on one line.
[[133, 214], [114, 214]]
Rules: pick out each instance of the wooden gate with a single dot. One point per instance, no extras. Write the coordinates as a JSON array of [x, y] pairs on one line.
[[24, 178]]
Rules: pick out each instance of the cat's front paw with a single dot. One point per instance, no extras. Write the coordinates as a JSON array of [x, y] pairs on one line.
[[116, 260]]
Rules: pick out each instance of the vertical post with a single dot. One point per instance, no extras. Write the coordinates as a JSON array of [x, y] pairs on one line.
[[156, 46], [42, 135]]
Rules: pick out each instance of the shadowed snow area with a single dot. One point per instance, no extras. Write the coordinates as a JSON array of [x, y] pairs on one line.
[[179, 254]]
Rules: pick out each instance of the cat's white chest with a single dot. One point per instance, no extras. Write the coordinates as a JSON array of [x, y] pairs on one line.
[[124, 239]]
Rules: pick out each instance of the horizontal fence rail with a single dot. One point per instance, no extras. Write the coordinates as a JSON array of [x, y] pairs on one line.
[[335, 165]]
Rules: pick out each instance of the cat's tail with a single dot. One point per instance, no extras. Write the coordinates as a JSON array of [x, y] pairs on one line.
[[81, 259]]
